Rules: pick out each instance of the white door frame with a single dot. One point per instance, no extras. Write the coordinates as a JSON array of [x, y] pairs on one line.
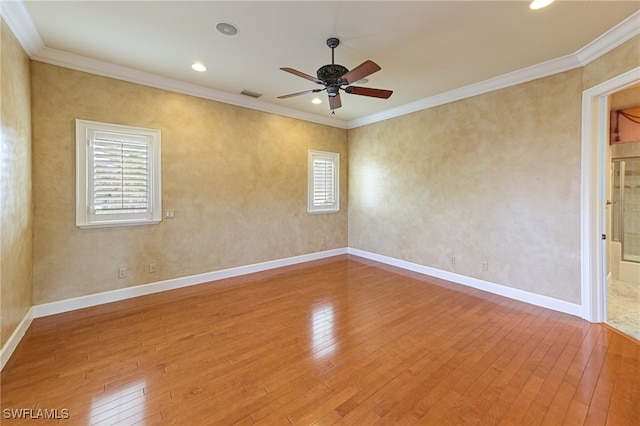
[[595, 136]]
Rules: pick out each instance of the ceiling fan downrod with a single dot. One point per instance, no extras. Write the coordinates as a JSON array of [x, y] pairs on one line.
[[333, 42], [330, 74]]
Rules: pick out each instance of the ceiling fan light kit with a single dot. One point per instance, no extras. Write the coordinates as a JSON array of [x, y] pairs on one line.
[[334, 76]]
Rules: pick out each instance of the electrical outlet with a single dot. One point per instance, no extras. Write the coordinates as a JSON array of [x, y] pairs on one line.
[[153, 267], [122, 273], [485, 266]]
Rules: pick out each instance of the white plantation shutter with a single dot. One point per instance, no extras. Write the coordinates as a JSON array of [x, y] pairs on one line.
[[118, 172], [323, 185], [121, 176], [323, 182]]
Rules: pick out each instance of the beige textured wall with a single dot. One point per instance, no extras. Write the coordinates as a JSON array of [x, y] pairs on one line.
[[627, 98], [623, 58], [236, 178], [16, 219], [494, 178]]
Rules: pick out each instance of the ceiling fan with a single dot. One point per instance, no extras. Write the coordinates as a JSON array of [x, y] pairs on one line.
[[334, 76]]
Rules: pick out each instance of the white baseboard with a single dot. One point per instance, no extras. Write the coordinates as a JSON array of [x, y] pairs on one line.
[[511, 293], [144, 289], [61, 306], [14, 339], [141, 290]]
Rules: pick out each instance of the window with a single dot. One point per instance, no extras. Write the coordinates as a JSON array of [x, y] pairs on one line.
[[324, 182], [118, 178]]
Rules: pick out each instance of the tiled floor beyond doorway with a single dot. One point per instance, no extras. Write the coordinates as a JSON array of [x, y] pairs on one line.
[[623, 307]]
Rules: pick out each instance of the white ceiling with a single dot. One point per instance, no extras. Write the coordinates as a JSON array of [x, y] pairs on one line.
[[426, 48]]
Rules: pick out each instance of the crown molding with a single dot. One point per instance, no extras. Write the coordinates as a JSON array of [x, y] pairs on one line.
[[18, 19], [524, 75], [16, 16], [608, 41], [106, 69]]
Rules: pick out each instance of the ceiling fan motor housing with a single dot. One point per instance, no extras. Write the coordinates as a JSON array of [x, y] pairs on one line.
[[331, 74]]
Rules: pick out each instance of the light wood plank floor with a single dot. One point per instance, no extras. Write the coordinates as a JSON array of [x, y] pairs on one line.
[[340, 341]]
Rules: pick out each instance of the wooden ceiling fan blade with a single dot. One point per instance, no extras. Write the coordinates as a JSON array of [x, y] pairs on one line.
[[361, 71], [291, 95], [335, 102], [301, 74], [368, 91]]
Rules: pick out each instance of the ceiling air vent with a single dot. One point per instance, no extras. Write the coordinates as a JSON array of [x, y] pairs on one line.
[[250, 93]]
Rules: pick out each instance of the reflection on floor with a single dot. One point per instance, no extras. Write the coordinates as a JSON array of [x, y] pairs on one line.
[[623, 307]]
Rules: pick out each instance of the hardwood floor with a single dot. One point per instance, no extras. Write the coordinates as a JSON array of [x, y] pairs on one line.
[[340, 341]]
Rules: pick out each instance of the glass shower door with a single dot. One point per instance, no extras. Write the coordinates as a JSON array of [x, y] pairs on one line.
[[631, 210], [625, 214], [616, 204]]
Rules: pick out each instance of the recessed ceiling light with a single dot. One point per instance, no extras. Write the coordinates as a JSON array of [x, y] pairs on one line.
[[199, 67], [316, 101], [539, 4], [227, 29], [362, 81]]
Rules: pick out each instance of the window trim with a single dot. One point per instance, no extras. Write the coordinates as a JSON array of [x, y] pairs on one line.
[[85, 130], [334, 158]]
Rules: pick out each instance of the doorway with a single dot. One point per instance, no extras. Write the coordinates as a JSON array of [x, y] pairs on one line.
[[595, 168], [623, 213]]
